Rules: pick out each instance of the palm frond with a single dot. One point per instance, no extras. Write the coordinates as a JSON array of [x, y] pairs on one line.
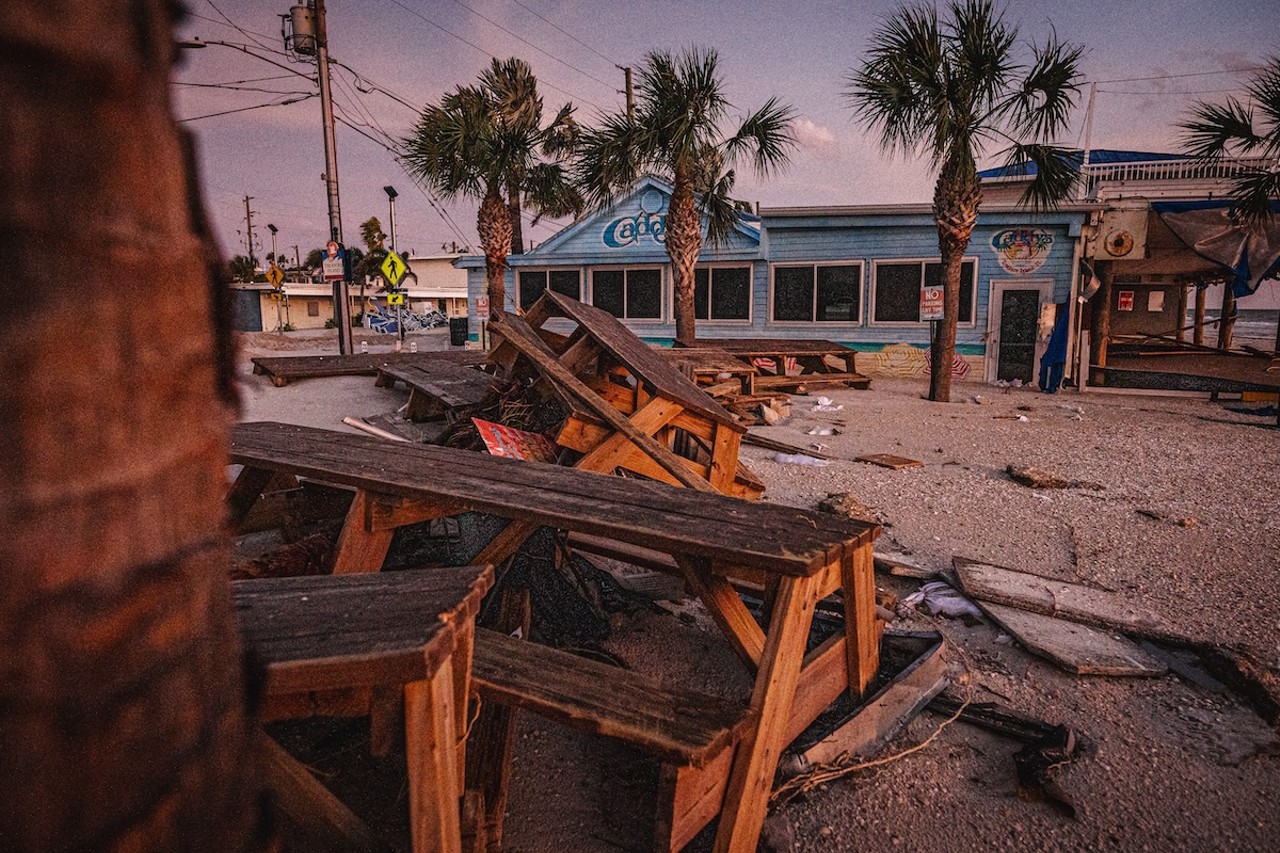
[[1256, 194], [1041, 106], [608, 158], [550, 192], [1219, 130], [980, 46], [1056, 173], [765, 136], [718, 208]]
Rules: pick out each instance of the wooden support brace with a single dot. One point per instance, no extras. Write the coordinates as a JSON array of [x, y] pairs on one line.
[[245, 492], [727, 609], [431, 744], [860, 624], [361, 549]]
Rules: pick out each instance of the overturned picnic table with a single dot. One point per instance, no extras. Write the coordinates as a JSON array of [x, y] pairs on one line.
[[798, 556]]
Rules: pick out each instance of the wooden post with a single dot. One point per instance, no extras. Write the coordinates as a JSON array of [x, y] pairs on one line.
[[1100, 325], [1182, 311], [1227, 319], [1197, 336]]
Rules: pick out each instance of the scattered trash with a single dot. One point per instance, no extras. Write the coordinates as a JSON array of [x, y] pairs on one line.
[[848, 505], [888, 460], [941, 599], [824, 404], [799, 459], [1162, 516], [1071, 408], [823, 431], [1022, 418], [1036, 759], [1003, 639], [1037, 478]]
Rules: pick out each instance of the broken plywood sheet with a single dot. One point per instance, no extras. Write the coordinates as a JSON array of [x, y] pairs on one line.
[[1050, 597], [1074, 647]]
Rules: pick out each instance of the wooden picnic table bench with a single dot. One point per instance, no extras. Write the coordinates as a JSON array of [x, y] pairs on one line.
[[337, 645], [798, 556], [437, 387]]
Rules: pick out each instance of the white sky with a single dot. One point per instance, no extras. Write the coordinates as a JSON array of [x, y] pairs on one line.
[[801, 52]]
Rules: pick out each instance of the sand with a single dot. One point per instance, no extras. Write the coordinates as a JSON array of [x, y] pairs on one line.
[[1170, 765]]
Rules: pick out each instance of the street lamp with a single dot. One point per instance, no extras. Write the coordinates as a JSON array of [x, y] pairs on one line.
[[391, 197]]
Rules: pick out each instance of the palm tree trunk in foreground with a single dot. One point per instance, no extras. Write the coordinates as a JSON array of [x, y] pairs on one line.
[[122, 721], [955, 209], [684, 242]]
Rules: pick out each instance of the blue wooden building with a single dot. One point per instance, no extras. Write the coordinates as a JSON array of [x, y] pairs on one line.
[[853, 275]]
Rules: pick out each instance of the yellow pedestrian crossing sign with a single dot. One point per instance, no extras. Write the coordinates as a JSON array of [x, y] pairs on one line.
[[395, 298], [394, 268], [275, 275]]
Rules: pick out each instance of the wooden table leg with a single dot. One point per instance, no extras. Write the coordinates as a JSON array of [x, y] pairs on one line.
[[751, 779], [360, 548], [431, 752], [244, 494], [860, 624]]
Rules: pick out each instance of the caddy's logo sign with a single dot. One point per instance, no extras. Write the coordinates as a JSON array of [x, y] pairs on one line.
[[631, 229], [1022, 250]]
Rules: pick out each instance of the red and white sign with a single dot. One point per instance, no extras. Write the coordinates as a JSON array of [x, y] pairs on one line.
[[516, 443], [333, 269], [1125, 302], [482, 305], [331, 249], [930, 302]]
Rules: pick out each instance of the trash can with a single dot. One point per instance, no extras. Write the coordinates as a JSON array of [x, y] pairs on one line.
[[458, 331]]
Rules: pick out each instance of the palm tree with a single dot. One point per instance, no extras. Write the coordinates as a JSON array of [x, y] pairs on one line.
[[1236, 129], [676, 134], [487, 142], [948, 90], [123, 721]]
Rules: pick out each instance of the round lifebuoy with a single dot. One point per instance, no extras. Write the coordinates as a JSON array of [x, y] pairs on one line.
[[1119, 244]]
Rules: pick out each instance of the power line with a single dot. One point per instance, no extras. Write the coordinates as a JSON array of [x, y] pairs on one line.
[[246, 33], [229, 87], [246, 109], [1179, 76], [538, 15], [1148, 92], [487, 53]]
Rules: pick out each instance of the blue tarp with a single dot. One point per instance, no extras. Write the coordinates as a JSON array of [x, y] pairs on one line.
[[1210, 229]]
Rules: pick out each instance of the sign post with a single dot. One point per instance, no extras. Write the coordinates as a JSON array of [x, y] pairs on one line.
[[275, 275], [931, 309], [394, 269]]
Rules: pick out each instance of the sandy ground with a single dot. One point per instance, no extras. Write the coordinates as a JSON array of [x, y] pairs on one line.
[[1170, 766]]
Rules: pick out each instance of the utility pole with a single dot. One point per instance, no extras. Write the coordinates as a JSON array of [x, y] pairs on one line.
[[248, 219], [341, 291], [630, 93]]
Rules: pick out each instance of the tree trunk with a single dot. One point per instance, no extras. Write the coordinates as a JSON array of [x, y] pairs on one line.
[[494, 226], [122, 718], [956, 197], [514, 210], [684, 244]]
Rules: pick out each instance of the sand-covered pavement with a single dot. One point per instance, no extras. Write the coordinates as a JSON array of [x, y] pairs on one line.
[[1171, 766]]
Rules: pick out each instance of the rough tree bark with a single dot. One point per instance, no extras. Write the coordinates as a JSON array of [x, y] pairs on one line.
[[493, 222], [684, 243], [956, 197], [122, 721]]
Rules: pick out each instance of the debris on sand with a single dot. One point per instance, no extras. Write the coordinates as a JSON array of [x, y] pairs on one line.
[[1037, 478]]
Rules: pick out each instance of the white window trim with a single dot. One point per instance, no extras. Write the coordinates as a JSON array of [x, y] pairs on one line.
[[663, 287], [751, 291], [862, 287], [548, 271], [917, 324]]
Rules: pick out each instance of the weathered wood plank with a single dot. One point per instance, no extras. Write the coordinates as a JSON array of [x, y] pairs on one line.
[[283, 369], [672, 723], [449, 385], [769, 537], [889, 460], [1074, 647], [1050, 597], [431, 752]]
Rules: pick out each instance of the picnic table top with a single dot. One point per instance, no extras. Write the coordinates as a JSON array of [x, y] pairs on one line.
[[359, 629], [728, 531], [704, 360], [640, 358], [287, 367], [454, 385]]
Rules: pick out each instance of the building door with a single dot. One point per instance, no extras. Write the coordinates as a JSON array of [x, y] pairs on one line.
[[1013, 333]]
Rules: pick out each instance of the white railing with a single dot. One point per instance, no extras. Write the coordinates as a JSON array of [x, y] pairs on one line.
[[1172, 170]]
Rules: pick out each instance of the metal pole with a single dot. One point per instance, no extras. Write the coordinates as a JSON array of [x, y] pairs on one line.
[[341, 291], [279, 290], [248, 220], [391, 197]]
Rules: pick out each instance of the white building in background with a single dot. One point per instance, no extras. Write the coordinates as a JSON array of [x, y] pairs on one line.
[[433, 282]]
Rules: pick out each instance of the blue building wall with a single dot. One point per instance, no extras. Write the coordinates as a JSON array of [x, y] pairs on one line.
[[623, 236]]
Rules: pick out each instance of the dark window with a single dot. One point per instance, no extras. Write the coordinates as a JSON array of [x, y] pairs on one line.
[[628, 294], [897, 289], [532, 284], [722, 293], [825, 293], [313, 308]]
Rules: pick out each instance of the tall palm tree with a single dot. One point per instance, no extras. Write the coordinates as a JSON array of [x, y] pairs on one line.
[[951, 89], [487, 142], [1244, 129], [676, 134], [122, 716]]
